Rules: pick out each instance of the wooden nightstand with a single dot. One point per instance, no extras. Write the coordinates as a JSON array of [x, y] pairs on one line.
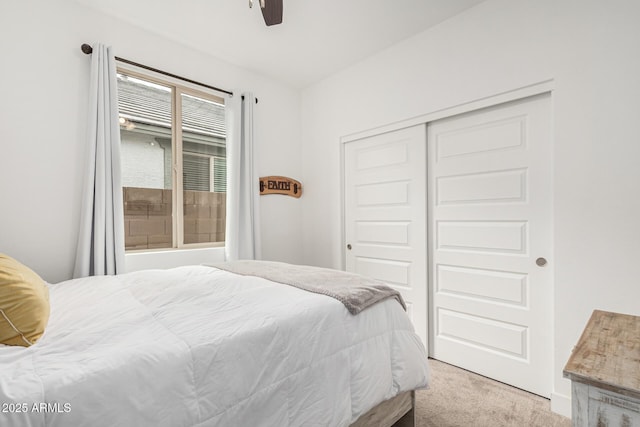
[[604, 369]]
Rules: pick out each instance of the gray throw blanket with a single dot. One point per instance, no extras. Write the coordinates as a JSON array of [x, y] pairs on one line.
[[356, 292]]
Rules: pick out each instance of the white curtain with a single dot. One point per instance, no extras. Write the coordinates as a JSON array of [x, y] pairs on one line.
[[100, 248], [242, 235]]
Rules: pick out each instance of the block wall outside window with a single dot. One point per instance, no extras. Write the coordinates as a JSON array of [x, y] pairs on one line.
[[204, 216], [147, 218], [148, 221]]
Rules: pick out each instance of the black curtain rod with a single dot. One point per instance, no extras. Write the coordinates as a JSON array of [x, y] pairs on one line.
[[87, 49]]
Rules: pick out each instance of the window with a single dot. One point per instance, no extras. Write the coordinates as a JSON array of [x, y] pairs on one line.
[[172, 138]]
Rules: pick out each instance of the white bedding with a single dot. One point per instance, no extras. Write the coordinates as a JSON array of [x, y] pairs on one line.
[[198, 346]]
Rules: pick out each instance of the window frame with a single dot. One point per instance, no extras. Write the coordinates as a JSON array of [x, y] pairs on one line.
[[178, 88]]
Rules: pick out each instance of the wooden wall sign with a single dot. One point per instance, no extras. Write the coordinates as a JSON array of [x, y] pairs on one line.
[[280, 185]]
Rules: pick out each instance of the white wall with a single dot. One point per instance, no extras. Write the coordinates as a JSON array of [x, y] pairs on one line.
[[43, 83], [590, 50]]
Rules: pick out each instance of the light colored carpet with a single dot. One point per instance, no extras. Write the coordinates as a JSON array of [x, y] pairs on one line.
[[462, 398]]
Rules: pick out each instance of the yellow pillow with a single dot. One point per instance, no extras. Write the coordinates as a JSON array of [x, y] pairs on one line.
[[24, 303]]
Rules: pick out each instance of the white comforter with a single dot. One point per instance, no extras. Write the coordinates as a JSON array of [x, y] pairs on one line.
[[197, 346]]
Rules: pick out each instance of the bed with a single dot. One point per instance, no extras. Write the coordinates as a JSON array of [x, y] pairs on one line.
[[205, 346]]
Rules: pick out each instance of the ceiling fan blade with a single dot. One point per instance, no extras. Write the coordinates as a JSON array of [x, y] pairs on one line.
[[272, 12]]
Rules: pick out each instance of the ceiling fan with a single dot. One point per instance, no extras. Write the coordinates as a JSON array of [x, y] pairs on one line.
[[271, 11]]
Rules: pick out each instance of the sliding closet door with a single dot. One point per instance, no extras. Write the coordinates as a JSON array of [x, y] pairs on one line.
[[490, 214], [385, 214]]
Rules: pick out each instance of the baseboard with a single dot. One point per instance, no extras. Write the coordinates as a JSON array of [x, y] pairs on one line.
[[561, 404]]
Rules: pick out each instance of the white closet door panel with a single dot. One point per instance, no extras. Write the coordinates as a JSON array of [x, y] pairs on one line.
[[385, 214], [490, 220]]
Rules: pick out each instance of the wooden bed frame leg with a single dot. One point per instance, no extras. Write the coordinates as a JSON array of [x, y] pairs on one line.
[[408, 419], [388, 413]]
